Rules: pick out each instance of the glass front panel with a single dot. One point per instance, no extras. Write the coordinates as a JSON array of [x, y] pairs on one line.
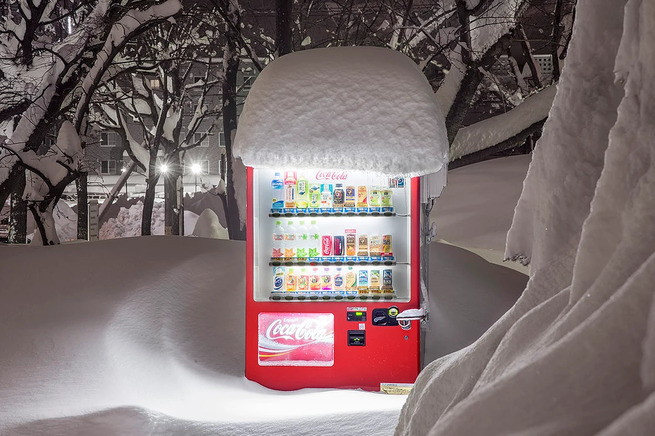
[[331, 235]]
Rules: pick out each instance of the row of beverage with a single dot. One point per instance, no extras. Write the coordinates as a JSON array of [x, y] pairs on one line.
[[302, 242], [329, 282], [292, 193]]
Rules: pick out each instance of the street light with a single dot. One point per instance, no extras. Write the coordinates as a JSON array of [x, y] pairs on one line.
[[163, 168], [196, 169]]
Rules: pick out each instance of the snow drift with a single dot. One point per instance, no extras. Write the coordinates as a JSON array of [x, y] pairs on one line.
[[575, 354]]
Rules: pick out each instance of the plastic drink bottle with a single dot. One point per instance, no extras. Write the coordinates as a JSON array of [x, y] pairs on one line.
[[326, 195], [290, 241], [290, 189], [278, 241], [278, 278], [302, 193], [302, 250], [291, 280], [326, 280], [314, 280], [314, 246], [303, 280], [277, 184], [339, 282], [314, 196]]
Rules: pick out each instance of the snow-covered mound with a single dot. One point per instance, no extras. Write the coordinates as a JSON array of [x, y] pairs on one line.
[[208, 226], [349, 108], [146, 336], [127, 223], [576, 354]]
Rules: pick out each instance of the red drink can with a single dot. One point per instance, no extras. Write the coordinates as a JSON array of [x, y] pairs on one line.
[[338, 245], [326, 244]]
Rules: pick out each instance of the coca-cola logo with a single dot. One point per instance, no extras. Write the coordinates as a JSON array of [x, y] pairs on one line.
[[307, 330], [331, 175]]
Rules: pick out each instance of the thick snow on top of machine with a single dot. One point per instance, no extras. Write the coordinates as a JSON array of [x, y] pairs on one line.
[[351, 108]]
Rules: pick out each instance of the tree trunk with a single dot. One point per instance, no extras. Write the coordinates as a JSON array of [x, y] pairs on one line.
[[283, 10], [231, 63], [45, 221], [171, 195], [149, 200], [82, 207], [18, 214]]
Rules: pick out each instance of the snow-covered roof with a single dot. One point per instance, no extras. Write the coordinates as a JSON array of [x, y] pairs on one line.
[[351, 108]]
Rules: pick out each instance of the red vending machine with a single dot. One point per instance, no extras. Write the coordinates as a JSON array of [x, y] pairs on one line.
[[339, 145], [333, 259]]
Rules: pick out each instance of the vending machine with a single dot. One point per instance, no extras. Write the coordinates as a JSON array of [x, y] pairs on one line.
[[340, 145], [332, 260]]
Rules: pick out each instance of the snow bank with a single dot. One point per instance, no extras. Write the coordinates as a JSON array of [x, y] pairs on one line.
[[575, 354], [352, 108], [148, 338], [208, 226]]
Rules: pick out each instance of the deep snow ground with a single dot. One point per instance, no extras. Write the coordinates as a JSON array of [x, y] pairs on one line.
[[148, 337], [145, 336]]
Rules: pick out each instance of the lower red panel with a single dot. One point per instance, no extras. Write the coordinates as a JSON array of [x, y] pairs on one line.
[[377, 354]]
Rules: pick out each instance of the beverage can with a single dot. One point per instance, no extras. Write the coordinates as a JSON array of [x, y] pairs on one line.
[[338, 197], [374, 281], [387, 281], [362, 192], [351, 242], [351, 280], [326, 245], [386, 246], [338, 245], [351, 197], [362, 282], [362, 245], [374, 245]]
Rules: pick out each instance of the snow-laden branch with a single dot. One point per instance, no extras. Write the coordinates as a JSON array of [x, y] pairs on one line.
[[120, 33], [492, 131]]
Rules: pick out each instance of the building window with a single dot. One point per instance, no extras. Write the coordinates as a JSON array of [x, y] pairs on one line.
[[221, 139], [108, 167], [545, 64], [247, 82], [108, 139], [201, 138]]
